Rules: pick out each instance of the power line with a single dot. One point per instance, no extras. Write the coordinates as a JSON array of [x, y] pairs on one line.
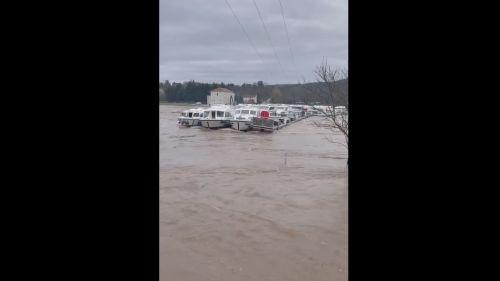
[[244, 31], [268, 36], [288, 40], [286, 31]]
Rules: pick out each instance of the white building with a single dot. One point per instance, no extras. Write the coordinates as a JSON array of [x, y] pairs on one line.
[[221, 96], [250, 99]]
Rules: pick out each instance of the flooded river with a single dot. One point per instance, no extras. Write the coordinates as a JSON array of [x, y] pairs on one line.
[[251, 206]]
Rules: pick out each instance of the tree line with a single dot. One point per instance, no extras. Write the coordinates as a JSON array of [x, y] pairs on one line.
[[192, 91]]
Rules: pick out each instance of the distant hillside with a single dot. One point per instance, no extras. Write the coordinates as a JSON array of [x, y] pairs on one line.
[[284, 93]]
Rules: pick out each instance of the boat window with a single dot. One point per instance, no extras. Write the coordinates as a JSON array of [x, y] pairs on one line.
[[213, 114], [183, 114], [253, 112], [244, 111], [195, 115], [228, 114], [190, 114], [238, 111], [220, 113], [206, 113]]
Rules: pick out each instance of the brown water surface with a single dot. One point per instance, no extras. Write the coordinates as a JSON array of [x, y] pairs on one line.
[[251, 206]]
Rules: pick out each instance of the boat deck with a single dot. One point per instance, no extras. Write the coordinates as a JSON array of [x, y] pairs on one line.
[[270, 125]]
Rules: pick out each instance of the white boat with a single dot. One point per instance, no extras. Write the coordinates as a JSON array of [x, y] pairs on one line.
[[314, 112], [341, 115], [308, 110], [298, 112], [323, 109], [217, 116], [263, 122], [190, 117], [243, 117], [340, 110], [280, 113]]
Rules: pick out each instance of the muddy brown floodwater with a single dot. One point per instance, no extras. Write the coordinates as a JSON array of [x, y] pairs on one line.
[[251, 206]]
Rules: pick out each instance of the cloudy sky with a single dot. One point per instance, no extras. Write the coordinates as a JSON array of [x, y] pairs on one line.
[[202, 40]]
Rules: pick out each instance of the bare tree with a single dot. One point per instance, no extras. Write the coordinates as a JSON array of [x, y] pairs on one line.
[[328, 86]]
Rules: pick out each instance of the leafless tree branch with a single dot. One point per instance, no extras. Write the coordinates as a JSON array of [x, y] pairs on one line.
[[326, 75]]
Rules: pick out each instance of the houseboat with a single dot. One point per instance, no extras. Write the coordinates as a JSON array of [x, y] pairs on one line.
[[280, 113], [190, 117], [217, 116], [243, 117], [263, 122], [340, 110]]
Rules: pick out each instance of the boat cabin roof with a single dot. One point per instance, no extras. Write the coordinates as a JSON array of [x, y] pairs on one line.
[[194, 110], [219, 108]]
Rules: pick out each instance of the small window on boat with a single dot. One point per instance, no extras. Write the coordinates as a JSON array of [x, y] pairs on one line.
[[238, 111], [195, 115], [253, 112], [220, 113], [244, 111], [228, 114], [206, 113], [190, 114]]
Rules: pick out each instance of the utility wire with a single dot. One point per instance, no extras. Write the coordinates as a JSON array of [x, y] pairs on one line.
[[244, 31], [268, 37], [288, 40], [246, 35], [286, 31]]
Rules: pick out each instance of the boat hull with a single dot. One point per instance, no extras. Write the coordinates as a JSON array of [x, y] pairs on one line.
[[241, 125], [189, 122], [215, 124], [265, 124]]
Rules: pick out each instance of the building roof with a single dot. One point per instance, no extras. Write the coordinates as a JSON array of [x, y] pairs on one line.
[[249, 95], [222, 90]]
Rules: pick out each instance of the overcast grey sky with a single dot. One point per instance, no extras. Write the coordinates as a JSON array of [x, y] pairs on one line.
[[201, 40]]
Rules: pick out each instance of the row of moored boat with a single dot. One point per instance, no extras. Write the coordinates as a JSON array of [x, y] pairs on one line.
[[245, 117]]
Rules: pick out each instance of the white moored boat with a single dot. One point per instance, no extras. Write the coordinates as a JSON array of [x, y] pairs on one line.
[[297, 111], [217, 116], [243, 117], [280, 113], [263, 122], [190, 117]]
